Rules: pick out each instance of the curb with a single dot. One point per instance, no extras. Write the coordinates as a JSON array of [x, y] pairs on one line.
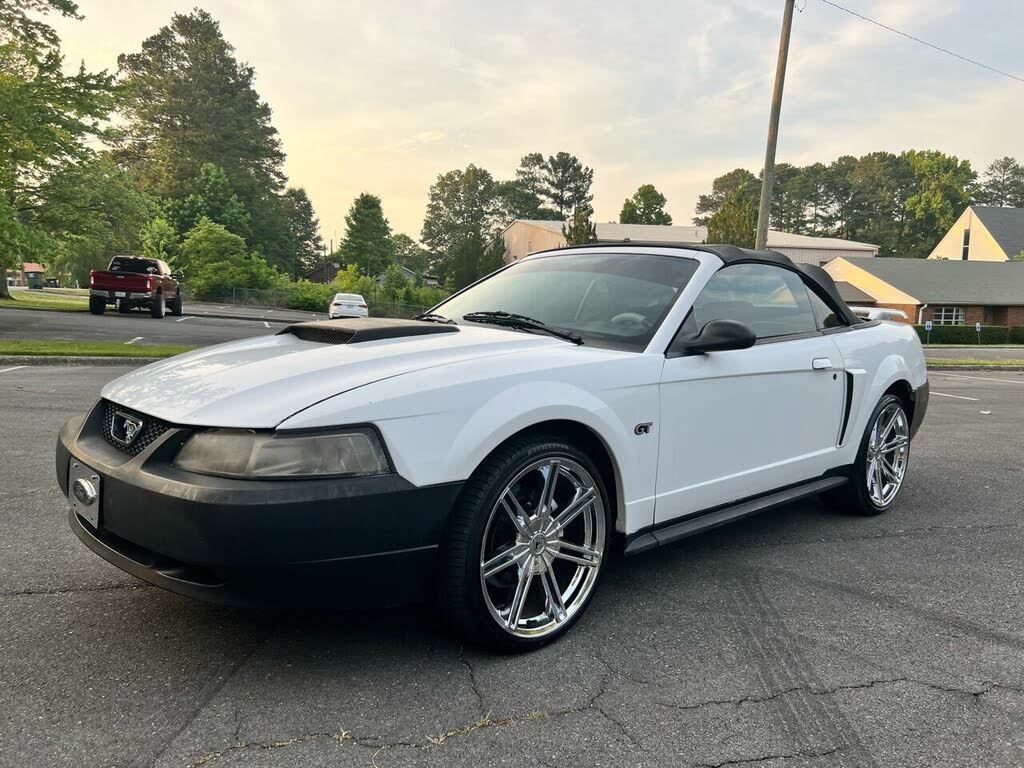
[[975, 367], [70, 360]]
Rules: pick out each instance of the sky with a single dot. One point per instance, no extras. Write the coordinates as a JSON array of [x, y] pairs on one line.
[[384, 96]]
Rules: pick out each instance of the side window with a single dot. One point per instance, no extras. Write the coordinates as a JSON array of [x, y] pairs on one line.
[[823, 313], [771, 300]]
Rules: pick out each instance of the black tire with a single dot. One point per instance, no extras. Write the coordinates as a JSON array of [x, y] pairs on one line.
[[123, 306], [854, 497], [176, 306], [156, 306], [97, 305], [460, 592]]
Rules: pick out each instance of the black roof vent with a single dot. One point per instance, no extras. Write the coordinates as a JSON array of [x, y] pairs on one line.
[[357, 330]]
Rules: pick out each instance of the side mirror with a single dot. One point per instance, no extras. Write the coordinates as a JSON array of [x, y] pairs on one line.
[[178, 274], [721, 335]]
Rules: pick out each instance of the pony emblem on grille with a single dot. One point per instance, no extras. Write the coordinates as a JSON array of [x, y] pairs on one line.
[[125, 427]]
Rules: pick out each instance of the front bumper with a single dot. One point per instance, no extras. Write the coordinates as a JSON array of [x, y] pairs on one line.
[[363, 541]]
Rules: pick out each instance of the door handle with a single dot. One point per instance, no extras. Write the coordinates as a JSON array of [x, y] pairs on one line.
[[821, 363]]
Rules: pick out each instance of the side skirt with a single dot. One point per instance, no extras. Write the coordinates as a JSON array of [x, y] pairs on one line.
[[642, 541]]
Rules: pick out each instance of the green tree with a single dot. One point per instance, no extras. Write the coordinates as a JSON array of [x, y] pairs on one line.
[[735, 221], [943, 185], [410, 254], [211, 196], [646, 206], [367, 241], [46, 119], [560, 181], [303, 229], [462, 224], [1002, 184], [188, 101], [218, 262], [159, 240], [580, 230], [92, 212], [738, 180]]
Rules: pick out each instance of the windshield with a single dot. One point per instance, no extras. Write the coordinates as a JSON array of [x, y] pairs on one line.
[[611, 299]]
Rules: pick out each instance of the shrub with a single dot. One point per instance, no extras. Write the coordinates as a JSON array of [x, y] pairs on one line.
[[966, 335]]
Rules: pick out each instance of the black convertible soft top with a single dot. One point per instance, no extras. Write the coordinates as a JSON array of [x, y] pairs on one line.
[[817, 278]]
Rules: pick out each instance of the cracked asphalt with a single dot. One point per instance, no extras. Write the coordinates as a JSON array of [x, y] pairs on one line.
[[797, 638]]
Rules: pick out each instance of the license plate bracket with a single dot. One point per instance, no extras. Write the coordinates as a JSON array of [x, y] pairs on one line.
[[84, 491]]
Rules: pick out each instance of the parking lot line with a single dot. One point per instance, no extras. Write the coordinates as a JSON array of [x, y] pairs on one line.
[[958, 397], [975, 378], [137, 338], [12, 368], [186, 317], [266, 324]]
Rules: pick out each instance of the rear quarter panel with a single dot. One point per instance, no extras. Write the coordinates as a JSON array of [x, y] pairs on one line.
[[877, 356]]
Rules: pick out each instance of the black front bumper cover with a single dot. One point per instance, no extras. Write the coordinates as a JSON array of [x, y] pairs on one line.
[[361, 541]]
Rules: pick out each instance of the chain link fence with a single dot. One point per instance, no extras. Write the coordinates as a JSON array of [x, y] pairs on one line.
[[271, 299]]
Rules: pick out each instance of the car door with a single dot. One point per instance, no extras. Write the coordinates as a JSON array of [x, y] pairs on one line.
[[738, 423]]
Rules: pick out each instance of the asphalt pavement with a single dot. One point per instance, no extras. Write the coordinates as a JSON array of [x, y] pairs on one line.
[[801, 637], [134, 328]]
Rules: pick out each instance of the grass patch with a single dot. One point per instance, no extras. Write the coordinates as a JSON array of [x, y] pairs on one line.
[[89, 348], [974, 361], [45, 300]]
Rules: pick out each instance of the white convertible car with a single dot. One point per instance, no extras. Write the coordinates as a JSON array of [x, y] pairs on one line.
[[495, 450]]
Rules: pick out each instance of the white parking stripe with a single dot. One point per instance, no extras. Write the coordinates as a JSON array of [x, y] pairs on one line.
[[14, 368], [266, 324], [976, 378], [186, 317], [958, 397], [137, 338]]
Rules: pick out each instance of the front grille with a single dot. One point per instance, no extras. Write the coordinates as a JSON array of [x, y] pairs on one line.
[[151, 429]]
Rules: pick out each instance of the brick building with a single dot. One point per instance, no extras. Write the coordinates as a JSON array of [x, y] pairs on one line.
[[945, 292]]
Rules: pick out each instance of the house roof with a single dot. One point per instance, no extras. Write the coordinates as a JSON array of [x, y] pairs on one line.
[[1006, 225], [936, 281], [683, 235], [852, 295], [31, 266]]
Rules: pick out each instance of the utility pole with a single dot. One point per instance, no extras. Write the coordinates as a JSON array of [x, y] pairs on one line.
[[768, 176]]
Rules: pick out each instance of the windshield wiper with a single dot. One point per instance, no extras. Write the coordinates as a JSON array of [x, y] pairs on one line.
[[433, 317], [521, 322]]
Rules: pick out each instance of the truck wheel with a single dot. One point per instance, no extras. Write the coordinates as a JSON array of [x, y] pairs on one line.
[[97, 305], [176, 306], [525, 545], [123, 306], [156, 306]]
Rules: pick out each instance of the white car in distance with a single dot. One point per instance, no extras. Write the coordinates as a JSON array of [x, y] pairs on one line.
[[348, 305]]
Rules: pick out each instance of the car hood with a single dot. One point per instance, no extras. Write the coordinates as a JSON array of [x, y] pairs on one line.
[[258, 383]]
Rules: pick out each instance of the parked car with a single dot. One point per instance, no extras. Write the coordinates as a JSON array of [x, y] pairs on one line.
[[880, 313], [130, 282], [494, 450], [348, 305]]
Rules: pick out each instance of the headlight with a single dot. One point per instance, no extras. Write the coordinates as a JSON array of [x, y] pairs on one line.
[[246, 453]]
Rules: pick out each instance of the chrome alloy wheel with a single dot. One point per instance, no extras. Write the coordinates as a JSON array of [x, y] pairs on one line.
[[542, 547], [888, 451]]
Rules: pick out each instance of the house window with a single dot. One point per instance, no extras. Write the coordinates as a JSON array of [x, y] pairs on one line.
[[967, 245], [949, 316]]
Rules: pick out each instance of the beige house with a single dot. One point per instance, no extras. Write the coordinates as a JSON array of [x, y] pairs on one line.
[[983, 233], [524, 236]]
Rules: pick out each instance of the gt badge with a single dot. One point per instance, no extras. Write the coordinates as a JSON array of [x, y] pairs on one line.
[[644, 428]]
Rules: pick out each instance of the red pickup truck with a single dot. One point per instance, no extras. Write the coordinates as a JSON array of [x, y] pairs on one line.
[[131, 281]]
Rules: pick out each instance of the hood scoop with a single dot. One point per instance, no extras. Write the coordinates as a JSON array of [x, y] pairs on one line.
[[360, 329]]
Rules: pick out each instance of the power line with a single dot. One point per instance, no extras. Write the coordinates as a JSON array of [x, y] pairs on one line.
[[924, 42]]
